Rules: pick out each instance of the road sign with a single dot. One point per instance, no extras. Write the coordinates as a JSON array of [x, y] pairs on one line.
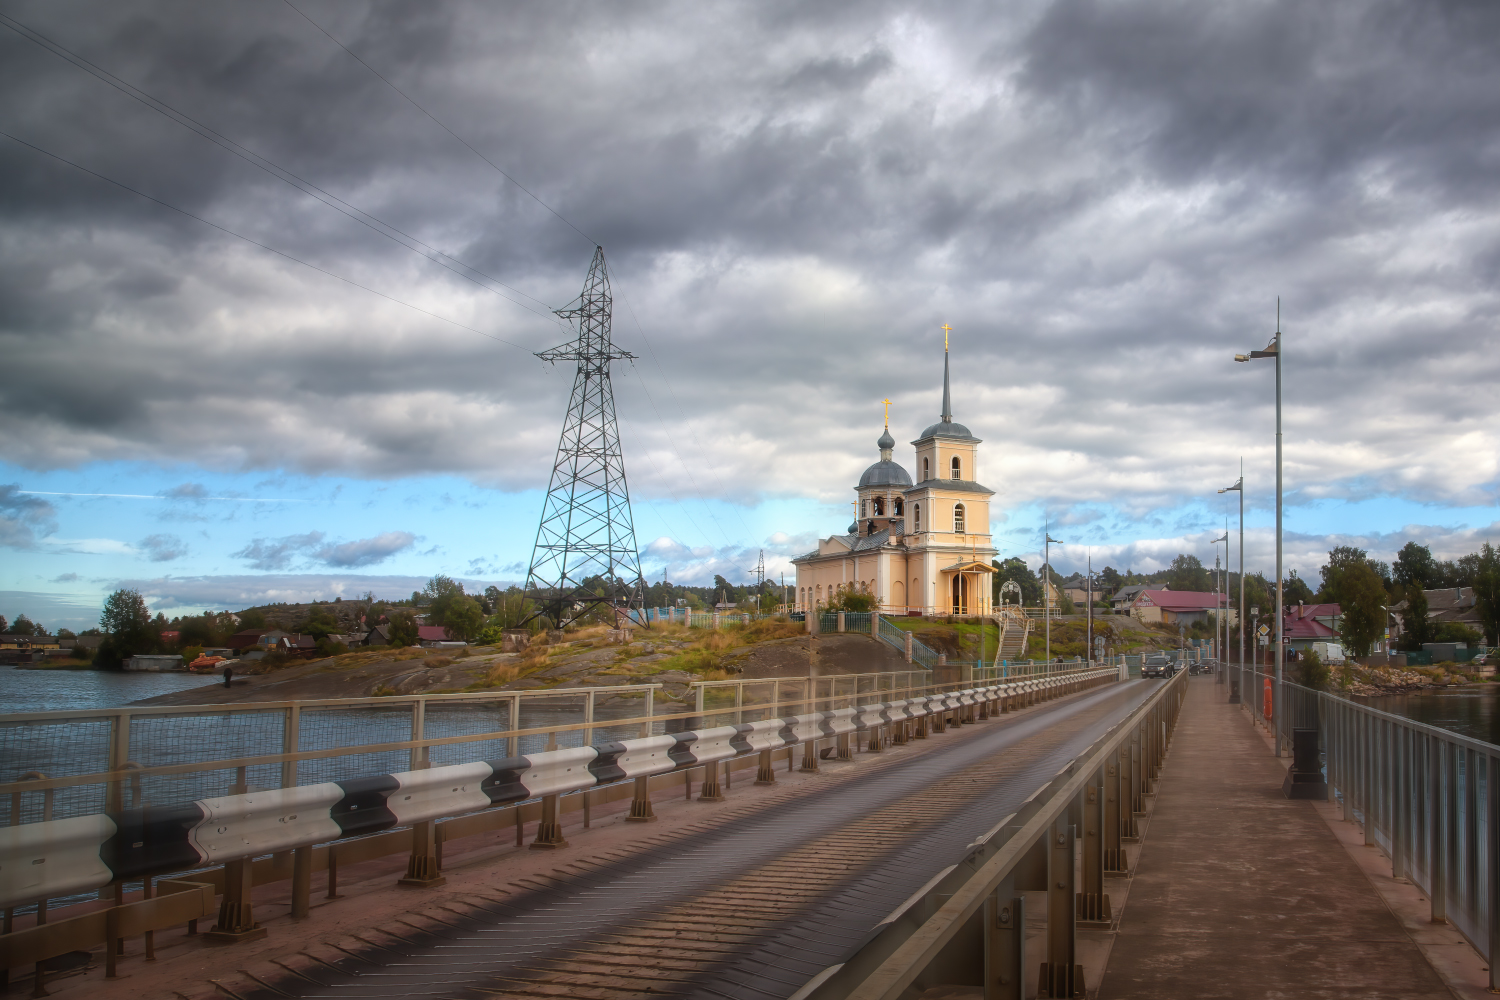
[[1263, 631]]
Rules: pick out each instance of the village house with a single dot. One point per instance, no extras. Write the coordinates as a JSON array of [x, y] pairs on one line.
[[1179, 607]]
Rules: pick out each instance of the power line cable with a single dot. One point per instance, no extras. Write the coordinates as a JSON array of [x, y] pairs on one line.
[[282, 174], [279, 253], [442, 126]]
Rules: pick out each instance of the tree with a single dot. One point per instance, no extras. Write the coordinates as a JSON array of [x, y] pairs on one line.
[[1340, 561], [252, 619], [24, 626], [3, 623], [1487, 592], [464, 617], [403, 629], [1187, 573], [127, 623], [1415, 628], [1414, 566], [1362, 603], [319, 624], [1296, 589], [1015, 569], [124, 611], [1109, 580]]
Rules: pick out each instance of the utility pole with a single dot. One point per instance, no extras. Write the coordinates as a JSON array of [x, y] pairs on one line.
[[587, 533], [1239, 487], [1047, 582]]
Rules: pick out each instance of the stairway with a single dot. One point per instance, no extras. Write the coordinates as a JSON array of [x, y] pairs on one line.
[[1014, 630]]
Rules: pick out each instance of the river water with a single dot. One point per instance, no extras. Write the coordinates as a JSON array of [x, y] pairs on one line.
[[70, 690], [1471, 711]]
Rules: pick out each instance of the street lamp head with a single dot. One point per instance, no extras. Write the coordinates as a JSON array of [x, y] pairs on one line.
[[1242, 358]]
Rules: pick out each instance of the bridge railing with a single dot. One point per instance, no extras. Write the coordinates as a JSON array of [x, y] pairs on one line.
[[967, 926], [142, 740], [319, 825], [1428, 797]]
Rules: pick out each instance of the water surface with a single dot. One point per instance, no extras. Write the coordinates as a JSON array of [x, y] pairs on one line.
[[71, 690]]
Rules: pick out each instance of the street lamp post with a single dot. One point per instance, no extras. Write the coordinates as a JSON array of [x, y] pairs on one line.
[[1047, 582], [1239, 487], [1273, 350]]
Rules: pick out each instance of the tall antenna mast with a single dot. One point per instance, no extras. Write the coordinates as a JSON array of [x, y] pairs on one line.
[[585, 553]]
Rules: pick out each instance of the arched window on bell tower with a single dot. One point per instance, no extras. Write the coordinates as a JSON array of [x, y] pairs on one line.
[[958, 516], [926, 468], [916, 517], [957, 468]]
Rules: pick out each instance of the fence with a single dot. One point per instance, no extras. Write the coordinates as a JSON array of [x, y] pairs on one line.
[[1426, 796], [304, 821], [144, 741]]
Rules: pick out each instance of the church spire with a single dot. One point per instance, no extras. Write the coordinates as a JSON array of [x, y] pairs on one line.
[[947, 399]]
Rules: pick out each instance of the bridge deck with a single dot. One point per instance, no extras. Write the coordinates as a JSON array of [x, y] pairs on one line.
[[1240, 892], [749, 898]]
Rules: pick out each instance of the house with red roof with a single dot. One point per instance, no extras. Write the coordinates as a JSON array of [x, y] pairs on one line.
[[1309, 623], [436, 635], [1178, 607]]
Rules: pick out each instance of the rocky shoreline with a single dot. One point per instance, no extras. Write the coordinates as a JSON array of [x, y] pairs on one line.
[[1372, 682]]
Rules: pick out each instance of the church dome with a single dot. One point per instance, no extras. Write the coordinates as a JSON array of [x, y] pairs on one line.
[[885, 473], [886, 442], [947, 429]]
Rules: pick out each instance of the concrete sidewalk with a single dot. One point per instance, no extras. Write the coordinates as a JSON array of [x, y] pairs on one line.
[[1240, 892]]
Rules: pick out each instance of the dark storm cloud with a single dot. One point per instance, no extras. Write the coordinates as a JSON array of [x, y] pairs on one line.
[[24, 519], [1103, 199]]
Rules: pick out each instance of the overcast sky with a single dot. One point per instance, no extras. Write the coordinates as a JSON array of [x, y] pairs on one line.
[[1104, 200]]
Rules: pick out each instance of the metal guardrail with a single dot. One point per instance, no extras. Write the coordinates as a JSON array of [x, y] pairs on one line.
[[301, 821], [1426, 796], [967, 926]]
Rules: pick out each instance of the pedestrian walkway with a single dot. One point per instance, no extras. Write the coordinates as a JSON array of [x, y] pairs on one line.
[[1240, 892]]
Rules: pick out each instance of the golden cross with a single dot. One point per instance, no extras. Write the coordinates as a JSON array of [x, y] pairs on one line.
[[887, 403], [946, 330]]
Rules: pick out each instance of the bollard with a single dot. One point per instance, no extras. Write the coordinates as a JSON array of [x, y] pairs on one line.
[[549, 829], [765, 772], [908, 647], [640, 804], [841, 621]]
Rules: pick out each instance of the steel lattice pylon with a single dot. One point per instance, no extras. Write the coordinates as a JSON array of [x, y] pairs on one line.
[[585, 552]]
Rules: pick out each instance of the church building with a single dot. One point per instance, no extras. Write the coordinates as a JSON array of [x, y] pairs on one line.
[[920, 548]]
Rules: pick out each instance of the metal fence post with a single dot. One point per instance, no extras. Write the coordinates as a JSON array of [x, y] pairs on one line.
[[1005, 944], [1061, 976], [1367, 774], [1492, 857], [1437, 860], [1400, 805]]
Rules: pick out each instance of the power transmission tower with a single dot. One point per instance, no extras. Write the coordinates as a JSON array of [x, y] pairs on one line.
[[585, 553], [759, 575]]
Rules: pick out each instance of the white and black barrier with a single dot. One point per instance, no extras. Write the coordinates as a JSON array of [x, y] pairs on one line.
[[66, 856]]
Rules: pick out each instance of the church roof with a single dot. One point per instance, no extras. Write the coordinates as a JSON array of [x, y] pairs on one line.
[[948, 429], [886, 473], [946, 426], [953, 485]]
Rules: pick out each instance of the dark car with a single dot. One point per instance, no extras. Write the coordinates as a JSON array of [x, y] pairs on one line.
[[1156, 665]]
